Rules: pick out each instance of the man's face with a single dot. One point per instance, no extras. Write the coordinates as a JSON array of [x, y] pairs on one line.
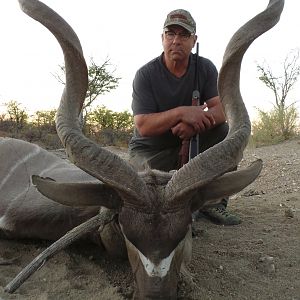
[[177, 43]]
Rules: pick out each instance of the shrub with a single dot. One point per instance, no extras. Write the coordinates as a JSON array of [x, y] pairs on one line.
[[275, 126]]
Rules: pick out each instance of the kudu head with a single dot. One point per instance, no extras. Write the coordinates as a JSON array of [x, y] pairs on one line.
[[154, 207]]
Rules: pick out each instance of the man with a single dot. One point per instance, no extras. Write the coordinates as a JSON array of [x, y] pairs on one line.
[[162, 98]]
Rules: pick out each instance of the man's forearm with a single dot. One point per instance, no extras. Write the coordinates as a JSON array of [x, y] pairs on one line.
[[157, 123], [215, 107], [218, 115]]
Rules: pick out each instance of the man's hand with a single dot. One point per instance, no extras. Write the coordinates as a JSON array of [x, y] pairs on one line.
[[183, 131], [198, 118]]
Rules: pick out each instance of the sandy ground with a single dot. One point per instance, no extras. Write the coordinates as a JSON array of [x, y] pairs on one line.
[[259, 259]]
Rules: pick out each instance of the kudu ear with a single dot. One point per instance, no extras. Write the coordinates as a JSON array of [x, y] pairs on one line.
[[226, 185], [77, 194]]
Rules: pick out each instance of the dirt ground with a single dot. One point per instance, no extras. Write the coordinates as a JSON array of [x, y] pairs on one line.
[[258, 259]]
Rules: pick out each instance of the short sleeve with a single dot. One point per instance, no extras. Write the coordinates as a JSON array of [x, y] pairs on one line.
[[210, 88], [143, 101]]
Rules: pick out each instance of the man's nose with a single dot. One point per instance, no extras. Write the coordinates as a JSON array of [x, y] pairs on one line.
[[177, 38]]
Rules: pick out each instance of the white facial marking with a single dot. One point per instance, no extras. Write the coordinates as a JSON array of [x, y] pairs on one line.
[[157, 270], [3, 223], [51, 167]]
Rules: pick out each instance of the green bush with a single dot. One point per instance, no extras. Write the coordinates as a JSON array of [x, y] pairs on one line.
[[112, 137], [102, 118], [51, 141], [105, 127], [275, 126]]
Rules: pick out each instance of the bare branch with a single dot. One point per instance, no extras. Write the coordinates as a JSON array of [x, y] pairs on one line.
[[282, 84], [291, 73], [267, 77], [59, 77]]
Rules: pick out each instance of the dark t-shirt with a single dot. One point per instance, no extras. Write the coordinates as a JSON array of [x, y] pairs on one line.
[[155, 89]]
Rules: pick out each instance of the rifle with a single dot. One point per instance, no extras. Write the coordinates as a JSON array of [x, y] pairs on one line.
[[190, 149], [194, 141]]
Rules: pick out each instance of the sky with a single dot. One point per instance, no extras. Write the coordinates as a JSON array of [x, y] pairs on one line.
[[129, 34]]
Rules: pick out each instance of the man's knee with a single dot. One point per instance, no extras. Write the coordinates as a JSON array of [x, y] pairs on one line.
[[164, 160], [213, 136]]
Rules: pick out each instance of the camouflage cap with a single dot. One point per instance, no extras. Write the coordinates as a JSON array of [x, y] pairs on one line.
[[182, 18]]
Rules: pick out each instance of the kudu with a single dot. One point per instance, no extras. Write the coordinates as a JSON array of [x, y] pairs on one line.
[[152, 209]]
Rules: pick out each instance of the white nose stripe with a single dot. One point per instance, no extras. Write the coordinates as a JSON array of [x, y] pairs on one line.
[[157, 270]]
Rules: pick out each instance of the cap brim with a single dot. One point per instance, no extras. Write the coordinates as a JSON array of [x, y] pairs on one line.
[[185, 26]]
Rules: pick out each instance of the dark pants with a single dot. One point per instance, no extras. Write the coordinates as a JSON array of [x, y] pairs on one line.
[[168, 159]]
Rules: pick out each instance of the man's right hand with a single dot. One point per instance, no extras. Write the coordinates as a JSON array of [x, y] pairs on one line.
[[198, 118], [183, 131]]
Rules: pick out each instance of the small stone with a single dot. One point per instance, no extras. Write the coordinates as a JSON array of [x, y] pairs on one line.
[[267, 264], [266, 258], [289, 212]]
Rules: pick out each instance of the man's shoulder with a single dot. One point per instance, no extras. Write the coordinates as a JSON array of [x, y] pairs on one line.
[[151, 65], [205, 66], [204, 61]]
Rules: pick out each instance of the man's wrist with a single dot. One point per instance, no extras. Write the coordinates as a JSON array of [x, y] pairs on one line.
[[179, 114]]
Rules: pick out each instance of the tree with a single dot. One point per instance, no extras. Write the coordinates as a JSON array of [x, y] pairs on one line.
[[17, 114], [285, 115], [45, 120], [100, 81], [107, 127], [123, 120], [102, 118]]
